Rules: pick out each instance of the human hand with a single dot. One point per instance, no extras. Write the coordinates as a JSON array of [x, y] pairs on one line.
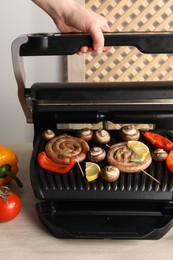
[[80, 19], [69, 16]]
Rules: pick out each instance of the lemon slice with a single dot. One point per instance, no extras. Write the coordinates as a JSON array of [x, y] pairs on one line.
[[139, 148], [92, 171]]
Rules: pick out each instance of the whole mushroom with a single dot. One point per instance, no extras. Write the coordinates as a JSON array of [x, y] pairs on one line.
[[129, 133], [96, 154], [159, 155], [102, 136], [110, 173], [86, 134], [48, 134]]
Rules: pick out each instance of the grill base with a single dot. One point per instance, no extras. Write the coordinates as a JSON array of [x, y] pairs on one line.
[[114, 221], [134, 207]]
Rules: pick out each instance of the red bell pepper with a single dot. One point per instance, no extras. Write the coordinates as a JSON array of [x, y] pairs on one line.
[[50, 165], [169, 161], [159, 140]]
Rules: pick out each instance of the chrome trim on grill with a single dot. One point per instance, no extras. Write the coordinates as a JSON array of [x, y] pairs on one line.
[[109, 102]]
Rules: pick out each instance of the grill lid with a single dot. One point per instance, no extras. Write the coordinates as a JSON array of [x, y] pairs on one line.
[[58, 44]]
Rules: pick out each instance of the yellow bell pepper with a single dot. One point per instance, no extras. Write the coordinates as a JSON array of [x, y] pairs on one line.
[[8, 166]]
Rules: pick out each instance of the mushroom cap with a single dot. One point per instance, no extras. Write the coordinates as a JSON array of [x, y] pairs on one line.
[[96, 154], [159, 155], [110, 173], [102, 136], [48, 134], [129, 133], [85, 134]]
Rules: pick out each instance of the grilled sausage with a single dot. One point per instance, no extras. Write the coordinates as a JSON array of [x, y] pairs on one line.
[[63, 147], [122, 157]]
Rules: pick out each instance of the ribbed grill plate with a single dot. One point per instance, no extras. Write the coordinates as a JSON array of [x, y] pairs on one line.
[[73, 186]]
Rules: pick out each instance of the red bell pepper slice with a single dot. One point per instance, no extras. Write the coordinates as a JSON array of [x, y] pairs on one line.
[[159, 140], [169, 161], [50, 165]]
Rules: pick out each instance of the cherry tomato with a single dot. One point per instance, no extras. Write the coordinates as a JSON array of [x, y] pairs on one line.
[[10, 204], [169, 161]]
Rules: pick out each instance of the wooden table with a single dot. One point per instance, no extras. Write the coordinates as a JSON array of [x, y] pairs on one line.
[[25, 237]]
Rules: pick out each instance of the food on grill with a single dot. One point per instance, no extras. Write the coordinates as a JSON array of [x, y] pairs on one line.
[[110, 173], [63, 147], [139, 148], [50, 165], [92, 171], [96, 154], [86, 134], [126, 159], [158, 140], [159, 155], [102, 136], [169, 161], [129, 132], [48, 134]]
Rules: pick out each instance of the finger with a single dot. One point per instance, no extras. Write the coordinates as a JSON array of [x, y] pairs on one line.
[[106, 49], [84, 50], [98, 37], [106, 29]]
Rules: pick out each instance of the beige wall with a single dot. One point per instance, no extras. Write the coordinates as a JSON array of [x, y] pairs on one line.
[[20, 17]]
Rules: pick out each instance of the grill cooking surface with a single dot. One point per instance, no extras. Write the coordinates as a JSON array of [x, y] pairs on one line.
[[49, 185]]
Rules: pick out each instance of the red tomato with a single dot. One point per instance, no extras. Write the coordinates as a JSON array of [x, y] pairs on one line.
[[10, 205], [169, 161]]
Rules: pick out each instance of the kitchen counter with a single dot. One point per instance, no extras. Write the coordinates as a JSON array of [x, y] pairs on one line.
[[26, 238]]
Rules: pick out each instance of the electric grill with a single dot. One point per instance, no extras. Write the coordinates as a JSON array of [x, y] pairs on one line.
[[133, 207]]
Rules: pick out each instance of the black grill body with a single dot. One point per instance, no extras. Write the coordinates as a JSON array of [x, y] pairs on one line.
[[133, 207]]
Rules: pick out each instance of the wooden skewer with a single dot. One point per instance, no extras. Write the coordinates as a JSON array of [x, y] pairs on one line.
[[151, 176], [80, 168]]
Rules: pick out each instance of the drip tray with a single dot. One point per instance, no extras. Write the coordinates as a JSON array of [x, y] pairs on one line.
[[116, 220]]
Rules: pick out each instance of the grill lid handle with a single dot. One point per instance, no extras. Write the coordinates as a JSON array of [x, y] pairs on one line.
[[67, 44]]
